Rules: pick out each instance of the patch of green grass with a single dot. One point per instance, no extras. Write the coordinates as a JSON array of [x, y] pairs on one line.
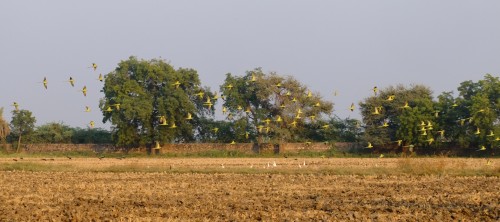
[[405, 167], [72, 154], [210, 154], [49, 154], [34, 167], [331, 153]]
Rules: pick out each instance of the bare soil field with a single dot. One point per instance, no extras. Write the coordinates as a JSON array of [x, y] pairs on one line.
[[249, 189]]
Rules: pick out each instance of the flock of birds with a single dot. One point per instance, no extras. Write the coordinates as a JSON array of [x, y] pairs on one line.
[[71, 81], [426, 126], [264, 127]]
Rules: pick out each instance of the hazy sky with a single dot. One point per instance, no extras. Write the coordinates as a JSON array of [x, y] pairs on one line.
[[348, 46]]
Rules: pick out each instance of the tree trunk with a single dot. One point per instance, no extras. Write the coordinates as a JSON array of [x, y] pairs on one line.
[[18, 144], [4, 144]]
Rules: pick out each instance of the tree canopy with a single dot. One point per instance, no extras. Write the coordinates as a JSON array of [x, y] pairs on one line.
[[472, 119], [398, 114], [91, 135], [411, 117], [150, 101], [270, 107], [22, 124], [53, 133]]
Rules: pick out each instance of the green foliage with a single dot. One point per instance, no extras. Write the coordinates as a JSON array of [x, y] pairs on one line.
[[450, 119], [52, 133], [145, 91], [400, 117], [62, 133], [333, 130], [87, 135], [344, 130], [470, 120], [474, 114], [150, 101], [22, 124], [215, 131], [271, 108]]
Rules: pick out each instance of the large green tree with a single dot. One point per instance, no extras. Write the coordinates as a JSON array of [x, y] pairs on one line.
[[271, 107], [472, 119], [149, 101], [398, 113], [22, 124], [410, 115]]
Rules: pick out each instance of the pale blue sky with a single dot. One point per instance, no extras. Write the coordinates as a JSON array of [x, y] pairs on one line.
[[348, 46]]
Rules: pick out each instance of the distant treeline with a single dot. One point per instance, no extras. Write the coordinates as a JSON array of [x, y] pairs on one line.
[[62, 133], [149, 103]]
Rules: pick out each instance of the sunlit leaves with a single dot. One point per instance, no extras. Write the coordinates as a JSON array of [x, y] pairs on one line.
[[269, 107], [401, 123], [147, 90]]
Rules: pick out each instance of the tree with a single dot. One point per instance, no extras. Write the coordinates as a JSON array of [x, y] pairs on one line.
[[342, 130], [91, 135], [215, 131], [53, 133], [4, 128], [149, 101], [452, 119], [473, 118], [270, 107], [410, 115], [22, 124], [400, 114]]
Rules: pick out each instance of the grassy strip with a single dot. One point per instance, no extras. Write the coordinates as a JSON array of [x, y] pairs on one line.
[[204, 154], [404, 168], [35, 167]]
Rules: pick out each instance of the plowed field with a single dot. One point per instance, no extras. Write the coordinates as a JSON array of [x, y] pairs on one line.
[[196, 189]]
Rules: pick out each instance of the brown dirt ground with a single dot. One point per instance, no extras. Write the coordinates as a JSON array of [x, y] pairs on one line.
[[281, 193]]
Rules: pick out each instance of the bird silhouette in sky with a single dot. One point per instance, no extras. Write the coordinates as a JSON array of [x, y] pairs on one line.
[[45, 82], [71, 81], [84, 90]]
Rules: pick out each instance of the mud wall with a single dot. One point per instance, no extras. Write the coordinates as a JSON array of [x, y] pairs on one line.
[[248, 148]]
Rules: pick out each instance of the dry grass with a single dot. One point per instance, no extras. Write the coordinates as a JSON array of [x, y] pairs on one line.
[[336, 166], [184, 189]]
